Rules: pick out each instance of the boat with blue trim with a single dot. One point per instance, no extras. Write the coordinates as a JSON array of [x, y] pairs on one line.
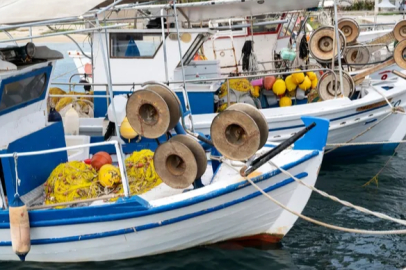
[[360, 113], [89, 206], [217, 203]]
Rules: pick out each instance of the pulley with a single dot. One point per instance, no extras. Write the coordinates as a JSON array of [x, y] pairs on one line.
[[326, 88], [350, 29], [175, 164], [357, 55], [400, 30], [153, 110], [239, 132], [321, 44], [197, 150], [399, 54]]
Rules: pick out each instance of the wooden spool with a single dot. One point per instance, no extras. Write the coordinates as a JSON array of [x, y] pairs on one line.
[[20, 231], [398, 58], [153, 111], [350, 29], [400, 30], [239, 131], [197, 150], [326, 87], [400, 53], [357, 55], [321, 44], [175, 164]]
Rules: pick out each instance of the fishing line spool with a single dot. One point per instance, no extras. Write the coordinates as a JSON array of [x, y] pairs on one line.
[[239, 132], [357, 55], [400, 30], [350, 28], [400, 53], [153, 110], [180, 161], [321, 44], [326, 87]]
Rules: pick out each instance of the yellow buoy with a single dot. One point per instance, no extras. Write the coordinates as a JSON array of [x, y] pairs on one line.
[[126, 130], [20, 231], [290, 85], [279, 87], [298, 78], [255, 91], [311, 75], [109, 176], [307, 83], [285, 102], [314, 83]]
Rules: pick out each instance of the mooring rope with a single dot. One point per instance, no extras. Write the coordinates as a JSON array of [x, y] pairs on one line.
[[317, 222]]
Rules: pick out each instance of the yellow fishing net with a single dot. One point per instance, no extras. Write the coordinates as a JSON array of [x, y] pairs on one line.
[[76, 180], [141, 173], [71, 181], [240, 85]]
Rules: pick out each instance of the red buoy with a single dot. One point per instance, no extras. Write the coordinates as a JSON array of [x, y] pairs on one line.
[[99, 159]]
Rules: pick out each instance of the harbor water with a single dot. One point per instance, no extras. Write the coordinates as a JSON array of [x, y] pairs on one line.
[[307, 246]]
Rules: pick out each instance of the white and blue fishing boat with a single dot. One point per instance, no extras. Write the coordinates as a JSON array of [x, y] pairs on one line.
[[362, 115], [199, 201], [225, 207]]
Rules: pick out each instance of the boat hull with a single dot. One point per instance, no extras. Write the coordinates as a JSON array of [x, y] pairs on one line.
[[215, 213]]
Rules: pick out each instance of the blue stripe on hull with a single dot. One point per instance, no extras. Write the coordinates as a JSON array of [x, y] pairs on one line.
[[161, 223], [118, 211], [331, 120], [357, 151]]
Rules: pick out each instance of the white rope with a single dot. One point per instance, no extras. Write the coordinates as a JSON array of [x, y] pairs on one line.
[[360, 134], [63, 74], [334, 198], [364, 143], [317, 222]]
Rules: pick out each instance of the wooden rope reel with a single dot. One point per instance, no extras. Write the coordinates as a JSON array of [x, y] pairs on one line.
[[153, 110], [359, 55], [350, 29], [321, 44], [239, 132], [400, 30], [326, 88], [400, 54], [180, 161]]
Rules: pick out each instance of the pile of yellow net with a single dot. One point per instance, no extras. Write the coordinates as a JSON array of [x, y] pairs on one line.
[[76, 180], [71, 181]]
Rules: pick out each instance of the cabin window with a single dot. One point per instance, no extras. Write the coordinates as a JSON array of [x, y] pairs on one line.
[[134, 45], [265, 28], [21, 91]]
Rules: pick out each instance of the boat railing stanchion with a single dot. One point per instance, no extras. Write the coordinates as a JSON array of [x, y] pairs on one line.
[[228, 93], [106, 63], [338, 48], [164, 46], [185, 94]]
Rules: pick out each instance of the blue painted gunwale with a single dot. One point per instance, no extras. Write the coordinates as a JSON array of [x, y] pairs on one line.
[[331, 120], [158, 224], [123, 210]]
